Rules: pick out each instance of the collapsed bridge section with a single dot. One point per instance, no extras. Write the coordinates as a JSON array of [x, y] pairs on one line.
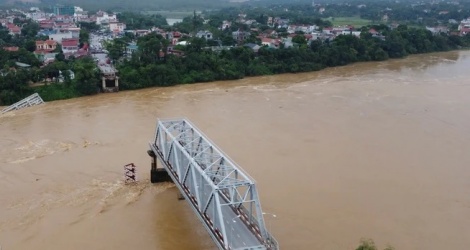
[[220, 193]]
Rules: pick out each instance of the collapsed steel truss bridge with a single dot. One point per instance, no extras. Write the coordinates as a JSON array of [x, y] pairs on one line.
[[221, 194]]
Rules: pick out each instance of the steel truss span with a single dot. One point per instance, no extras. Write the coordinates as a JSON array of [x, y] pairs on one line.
[[221, 194]]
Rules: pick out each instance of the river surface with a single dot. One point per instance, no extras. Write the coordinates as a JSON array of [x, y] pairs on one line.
[[370, 150]]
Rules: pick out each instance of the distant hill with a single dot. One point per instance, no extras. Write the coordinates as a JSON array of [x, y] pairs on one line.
[[121, 5]]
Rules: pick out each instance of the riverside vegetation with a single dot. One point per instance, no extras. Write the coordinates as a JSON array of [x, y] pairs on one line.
[[153, 66]]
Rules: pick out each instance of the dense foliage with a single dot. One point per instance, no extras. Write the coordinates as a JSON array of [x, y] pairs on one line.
[[134, 20], [15, 84], [148, 68]]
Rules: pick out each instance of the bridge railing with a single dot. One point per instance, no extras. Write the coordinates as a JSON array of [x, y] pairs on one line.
[[220, 192]]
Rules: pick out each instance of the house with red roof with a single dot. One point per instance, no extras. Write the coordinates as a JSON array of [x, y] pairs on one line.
[[11, 48], [70, 45], [46, 24], [464, 27], [372, 31], [45, 46], [270, 42], [13, 29], [464, 31]]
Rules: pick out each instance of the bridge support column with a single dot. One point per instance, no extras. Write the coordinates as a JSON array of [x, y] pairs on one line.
[[157, 174]]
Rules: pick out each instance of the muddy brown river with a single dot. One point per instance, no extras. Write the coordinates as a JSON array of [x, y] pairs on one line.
[[370, 150]]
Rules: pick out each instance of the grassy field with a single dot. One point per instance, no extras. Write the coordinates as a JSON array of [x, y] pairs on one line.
[[355, 21]]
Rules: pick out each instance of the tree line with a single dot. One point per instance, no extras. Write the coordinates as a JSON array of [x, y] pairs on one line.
[[152, 65]]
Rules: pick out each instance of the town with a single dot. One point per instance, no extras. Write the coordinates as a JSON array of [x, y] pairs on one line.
[[120, 44]]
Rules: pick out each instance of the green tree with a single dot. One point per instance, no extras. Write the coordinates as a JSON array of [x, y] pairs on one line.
[[299, 39], [86, 76], [84, 36]]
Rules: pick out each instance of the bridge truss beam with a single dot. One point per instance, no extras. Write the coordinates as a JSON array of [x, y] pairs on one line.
[[221, 194]]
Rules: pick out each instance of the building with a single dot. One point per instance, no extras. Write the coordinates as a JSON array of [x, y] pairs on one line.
[[438, 29], [60, 36], [70, 74], [74, 30], [240, 36], [70, 45], [46, 24], [104, 18], [117, 27], [253, 46], [46, 46], [60, 10], [131, 49], [13, 29], [36, 15], [225, 25], [80, 15], [270, 42], [11, 48], [464, 24], [204, 34]]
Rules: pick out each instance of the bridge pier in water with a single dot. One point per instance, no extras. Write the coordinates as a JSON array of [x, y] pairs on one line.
[[157, 174], [109, 78]]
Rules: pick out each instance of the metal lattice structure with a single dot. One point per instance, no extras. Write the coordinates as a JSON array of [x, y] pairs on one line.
[[29, 101], [221, 194]]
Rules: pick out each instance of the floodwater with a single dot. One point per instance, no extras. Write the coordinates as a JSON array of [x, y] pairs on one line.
[[370, 150]]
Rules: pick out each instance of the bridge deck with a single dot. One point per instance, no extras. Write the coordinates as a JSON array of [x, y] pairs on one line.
[[221, 194]]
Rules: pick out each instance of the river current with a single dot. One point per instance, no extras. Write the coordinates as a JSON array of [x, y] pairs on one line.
[[376, 150]]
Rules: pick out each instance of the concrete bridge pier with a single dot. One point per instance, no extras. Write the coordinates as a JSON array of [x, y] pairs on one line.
[[157, 174]]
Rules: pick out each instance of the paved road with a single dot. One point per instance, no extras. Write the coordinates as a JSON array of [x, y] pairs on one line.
[[96, 45]]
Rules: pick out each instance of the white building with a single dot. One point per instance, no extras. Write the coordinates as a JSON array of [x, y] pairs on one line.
[[117, 27], [79, 15], [103, 17], [464, 24], [69, 72], [350, 32], [204, 34], [36, 15], [59, 36]]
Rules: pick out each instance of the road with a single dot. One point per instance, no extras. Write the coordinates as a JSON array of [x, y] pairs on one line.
[[95, 45]]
